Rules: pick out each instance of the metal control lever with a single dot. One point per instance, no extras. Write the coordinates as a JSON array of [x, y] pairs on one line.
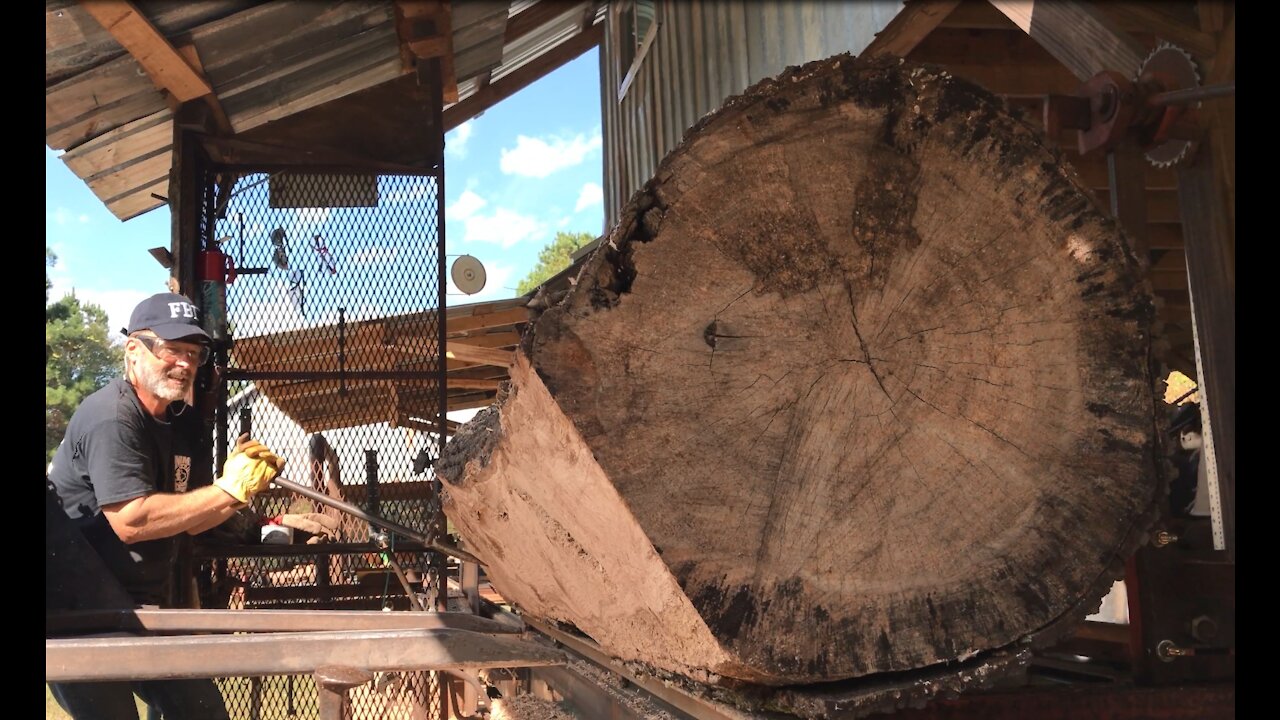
[[427, 540]]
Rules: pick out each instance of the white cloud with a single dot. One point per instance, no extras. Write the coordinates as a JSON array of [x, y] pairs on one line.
[[465, 205], [83, 218], [376, 255], [60, 216], [456, 146], [592, 194], [538, 158], [310, 217], [417, 190], [504, 227], [118, 304]]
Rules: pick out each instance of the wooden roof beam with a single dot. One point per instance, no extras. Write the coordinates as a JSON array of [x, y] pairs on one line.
[[176, 71], [911, 25], [1077, 34], [1154, 19], [166, 66]]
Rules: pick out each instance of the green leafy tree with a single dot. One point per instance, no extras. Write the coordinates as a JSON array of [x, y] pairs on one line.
[[556, 256], [78, 358]]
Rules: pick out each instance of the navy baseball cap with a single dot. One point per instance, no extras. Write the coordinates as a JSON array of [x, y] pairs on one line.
[[170, 316]]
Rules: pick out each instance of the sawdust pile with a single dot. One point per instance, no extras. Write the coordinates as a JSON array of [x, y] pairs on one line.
[[617, 687], [528, 707]]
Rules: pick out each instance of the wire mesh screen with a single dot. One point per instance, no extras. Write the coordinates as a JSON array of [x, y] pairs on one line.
[[390, 696], [336, 363]]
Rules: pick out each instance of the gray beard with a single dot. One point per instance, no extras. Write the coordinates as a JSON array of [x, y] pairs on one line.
[[161, 385]]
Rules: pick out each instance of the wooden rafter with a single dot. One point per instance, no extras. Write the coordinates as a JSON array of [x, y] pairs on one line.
[[166, 66], [1152, 18], [512, 83], [911, 25], [463, 324], [473, 353], [177, 71], [1079, 35]]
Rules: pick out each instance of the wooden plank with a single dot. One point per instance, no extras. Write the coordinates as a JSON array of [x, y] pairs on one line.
[[1161, 205], [1168, 281], [471, 353], [448, 73], [481, 321], [144, 172], [75, 42], [512, 83], [221, 121], [100, 100], [1210, 251], [1156, 19], [911, 25], [467, 384], [1172, 261], [469, 402], [140, 38], [1000, 48], [139, 138], [490, 340], [1079, 35], [1221, 116], [142, 201], [1093, 170], [1016, 79], [1211, 14], [1164, 236]]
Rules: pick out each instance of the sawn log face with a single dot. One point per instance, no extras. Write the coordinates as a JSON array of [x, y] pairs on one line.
[[869, 374]]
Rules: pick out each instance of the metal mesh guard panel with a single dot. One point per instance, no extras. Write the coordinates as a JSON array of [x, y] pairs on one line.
[[335, 315], [391, 696]]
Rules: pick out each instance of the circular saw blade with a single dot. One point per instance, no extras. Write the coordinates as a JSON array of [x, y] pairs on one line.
[[1174, 69]]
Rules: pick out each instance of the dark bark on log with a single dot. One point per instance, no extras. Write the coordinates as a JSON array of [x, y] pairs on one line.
[[860, 383]]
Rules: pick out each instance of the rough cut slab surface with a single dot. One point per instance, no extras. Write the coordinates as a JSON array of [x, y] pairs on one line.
[[861, 382]]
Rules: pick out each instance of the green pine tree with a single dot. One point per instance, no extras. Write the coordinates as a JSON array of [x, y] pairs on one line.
[[556, 256], [79, 358]]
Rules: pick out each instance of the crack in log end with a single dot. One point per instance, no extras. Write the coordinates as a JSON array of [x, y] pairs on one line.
[[474, 442]]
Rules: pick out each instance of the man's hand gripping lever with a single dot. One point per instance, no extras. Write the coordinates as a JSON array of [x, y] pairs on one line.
[[249, 470]]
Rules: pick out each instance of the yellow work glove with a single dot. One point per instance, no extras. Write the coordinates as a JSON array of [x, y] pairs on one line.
[[249, 470]]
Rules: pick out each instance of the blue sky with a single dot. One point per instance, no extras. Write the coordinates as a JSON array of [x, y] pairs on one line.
[[525, 169]]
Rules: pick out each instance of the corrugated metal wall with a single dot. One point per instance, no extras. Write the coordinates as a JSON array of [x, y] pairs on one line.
[[704, 52]]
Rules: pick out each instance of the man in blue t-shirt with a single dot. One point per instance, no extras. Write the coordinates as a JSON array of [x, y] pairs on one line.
[[121, 477]]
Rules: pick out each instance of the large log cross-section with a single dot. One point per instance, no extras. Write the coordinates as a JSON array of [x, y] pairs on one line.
[[861, 382]]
